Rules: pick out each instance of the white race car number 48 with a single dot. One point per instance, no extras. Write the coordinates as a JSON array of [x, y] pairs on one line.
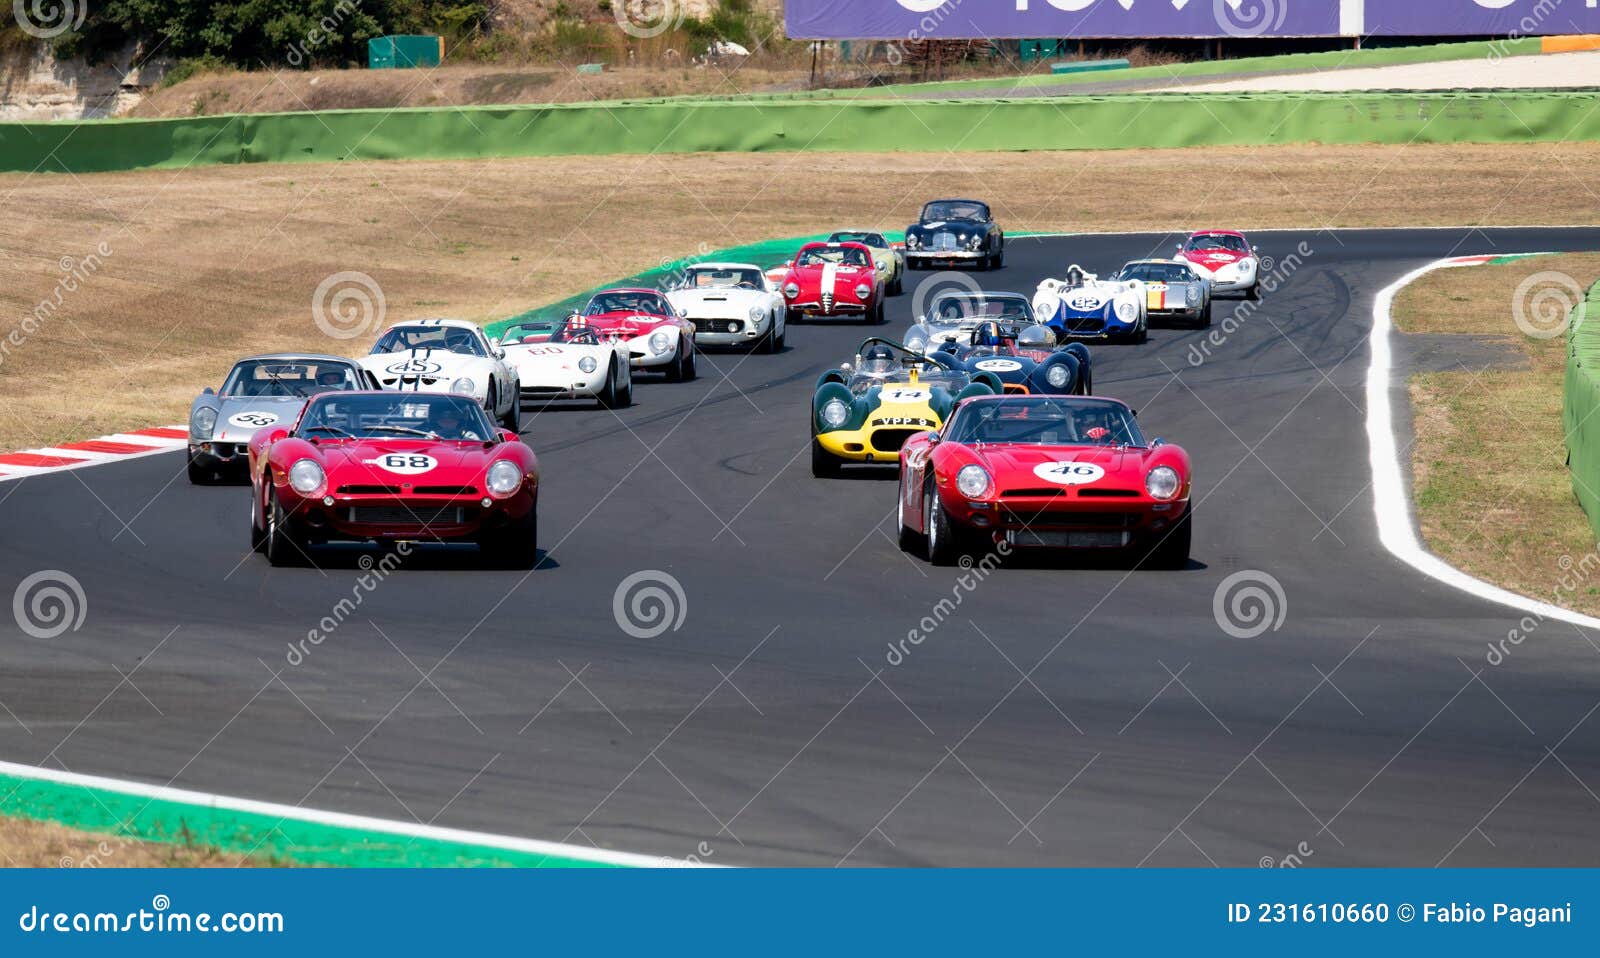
[[1069, 473], [403, 463], [252, 420]]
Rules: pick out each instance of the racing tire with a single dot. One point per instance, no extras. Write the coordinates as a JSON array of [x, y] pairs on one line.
[[1000, 257], [824, 465], [200, 476], [783, 336], [608, 395], [513, 419], [281, 545], [898, 286], [627, 387], [1140, 335], [942, 547], [909, 541], [515, 547], [1253, 294], [674, 369], [1170, 552], [769, 343], [258, 534], [1204, 322], [690, 361]]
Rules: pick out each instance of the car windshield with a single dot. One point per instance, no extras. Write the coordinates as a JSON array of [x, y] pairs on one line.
[[289, 378], [451, 339], [1053, 421], [740, 278], [942, 210], [1234, 244], [388, 415], [529, 333], [966, 309], [1156, 272], [874, 240], [823, 255], [648, 303]]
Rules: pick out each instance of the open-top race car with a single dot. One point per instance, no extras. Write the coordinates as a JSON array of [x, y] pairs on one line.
[[565, 359], [1026, 359], [1084, 306], [447, 356], [392, 466], [951, 232], [1049, 472], [656, 335], [260, 391], [731, 304], [888, 258], [831, 281], [954, 314], [1226, 258], [1172, 289], [863, 411]]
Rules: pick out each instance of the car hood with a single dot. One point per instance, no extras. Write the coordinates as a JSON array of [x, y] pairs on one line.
[[1011, 465], [362, 462], [717, 303], [238, 417], [1214, 259], [957, 225], [431, 364]]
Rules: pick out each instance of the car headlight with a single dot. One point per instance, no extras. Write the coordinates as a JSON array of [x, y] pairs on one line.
[[1162, 483], [307, 478], [1194, 296], [587, 364], [464, 386], [863, 291], [972, 481], [1127, 312], [882, 266], [834, 413], [791, 290], [204, 420], [757, 313], [977, 240], [504, 478], [917, 341], [962, 237], [1057, 375], [658, 342], [913, 241]]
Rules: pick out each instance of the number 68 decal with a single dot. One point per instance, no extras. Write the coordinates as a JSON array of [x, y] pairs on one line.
[[403, 463]]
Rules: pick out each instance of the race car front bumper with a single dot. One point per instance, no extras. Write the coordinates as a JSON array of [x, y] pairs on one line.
[[717, 331], [836, 310], [936, 256], [219, 455], [874, 442], [424, 518], [1052, 520]]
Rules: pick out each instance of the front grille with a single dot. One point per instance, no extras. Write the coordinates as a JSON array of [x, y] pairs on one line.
[[446, 490], [358, 490], [827, 302], [1086, 324], [1035, 493], [890, 440], [1108, 494], [718, 326], [1077, 520], [408, 516], [1099, 539], [944, 242]]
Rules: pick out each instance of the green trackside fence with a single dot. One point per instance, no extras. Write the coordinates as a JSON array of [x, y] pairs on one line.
[[1580, 405], [1062, 123]]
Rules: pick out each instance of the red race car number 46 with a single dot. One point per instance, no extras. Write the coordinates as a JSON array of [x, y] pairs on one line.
[[403, 463]]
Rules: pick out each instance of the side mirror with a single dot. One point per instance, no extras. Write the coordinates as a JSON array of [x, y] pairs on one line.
[[1157, 441], [498, 352], [507, 435], [208, 391]]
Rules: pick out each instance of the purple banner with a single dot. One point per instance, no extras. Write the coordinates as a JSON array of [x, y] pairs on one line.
[[1523, 18], [924, 19]]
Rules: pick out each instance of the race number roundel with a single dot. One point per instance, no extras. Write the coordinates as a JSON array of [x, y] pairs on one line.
[[403, 463], [414, 367], [1085, 301], [1069, 473], [253, 420], [999, 365], [904, 394]]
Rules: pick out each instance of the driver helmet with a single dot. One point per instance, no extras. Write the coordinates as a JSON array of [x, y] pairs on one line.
[[950, 311], [1095, 425], [1037, 337], [331, 377], [878, 360], [447, 419], [987, 334], [1075, 276]]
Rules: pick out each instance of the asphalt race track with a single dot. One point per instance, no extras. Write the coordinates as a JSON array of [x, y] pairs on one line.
[[1061, 715]]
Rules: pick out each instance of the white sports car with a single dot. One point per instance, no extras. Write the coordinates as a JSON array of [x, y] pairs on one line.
[[731, 304], [447, 356], [567, 360], [1084, 306]]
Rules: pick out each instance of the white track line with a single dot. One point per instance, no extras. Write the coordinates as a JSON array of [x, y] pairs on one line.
[[340, 820], [1391, 503]]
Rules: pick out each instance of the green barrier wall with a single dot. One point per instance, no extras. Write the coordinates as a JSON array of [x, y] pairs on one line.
[[1064, 123], [1580, 406]]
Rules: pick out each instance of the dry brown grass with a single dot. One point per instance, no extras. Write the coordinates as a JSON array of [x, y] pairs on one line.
[[29, 844], [1493, 493], [211, 264]]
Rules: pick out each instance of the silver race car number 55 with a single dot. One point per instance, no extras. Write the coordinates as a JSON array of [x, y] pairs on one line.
[[403, 463], [1069, 473]]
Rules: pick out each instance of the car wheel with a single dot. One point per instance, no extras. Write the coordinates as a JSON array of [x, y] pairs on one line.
[[674, 369], [783, 336], [609, 393], [898, 286], [627, 386], [517, 546], [689, 363], [769, 342], [258, 534], [1000, 257], [201, 476], [908, 540], [513, 420], [942, 547], [1205, 316], [283, 547], [1253, 293], [1171, 551], [823, 463]]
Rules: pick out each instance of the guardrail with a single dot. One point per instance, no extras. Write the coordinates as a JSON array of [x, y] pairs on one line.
[[1580, 405], [860, 125]]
